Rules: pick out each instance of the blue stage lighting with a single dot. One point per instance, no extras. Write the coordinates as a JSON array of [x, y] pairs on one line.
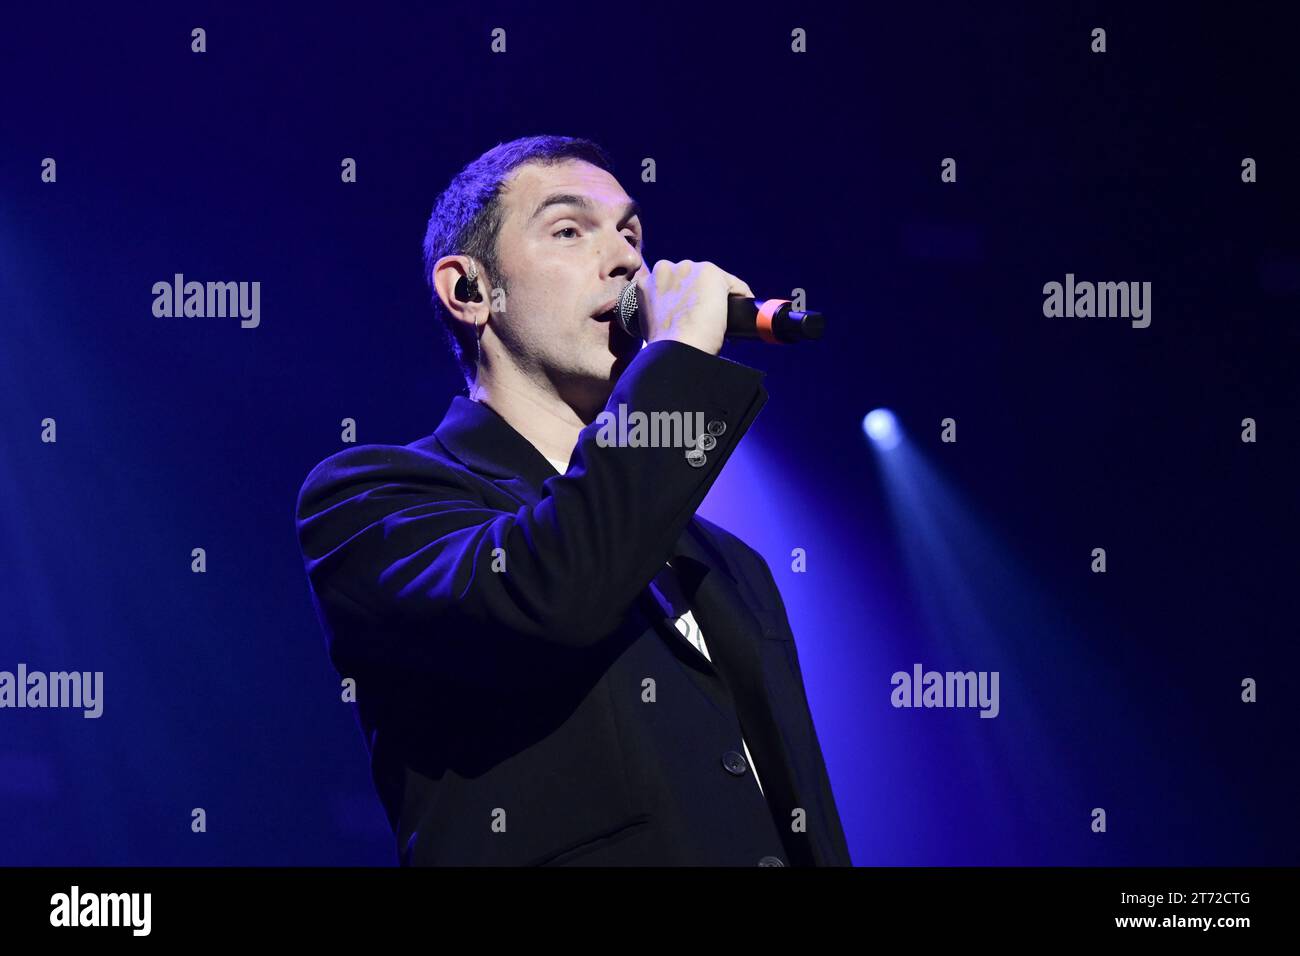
[[882, 428]]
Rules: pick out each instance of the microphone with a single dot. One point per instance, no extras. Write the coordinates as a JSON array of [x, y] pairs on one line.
[[771, 320]]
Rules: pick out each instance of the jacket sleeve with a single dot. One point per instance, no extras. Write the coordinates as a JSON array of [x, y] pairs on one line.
[[400, 548]]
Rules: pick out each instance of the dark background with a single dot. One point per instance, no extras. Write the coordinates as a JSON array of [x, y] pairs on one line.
[[818, 171]]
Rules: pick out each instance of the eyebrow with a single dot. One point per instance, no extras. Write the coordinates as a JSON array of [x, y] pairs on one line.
[[633, 208]]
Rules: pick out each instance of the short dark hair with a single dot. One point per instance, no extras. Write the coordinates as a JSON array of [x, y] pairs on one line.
[[467, 217]]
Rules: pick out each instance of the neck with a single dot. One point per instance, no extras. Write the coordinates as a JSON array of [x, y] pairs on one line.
[[543, 416]]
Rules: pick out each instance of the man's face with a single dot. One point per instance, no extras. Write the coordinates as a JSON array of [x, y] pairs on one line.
[[569, 242]]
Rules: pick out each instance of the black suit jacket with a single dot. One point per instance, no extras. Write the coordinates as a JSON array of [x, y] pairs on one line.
[[545, 711]]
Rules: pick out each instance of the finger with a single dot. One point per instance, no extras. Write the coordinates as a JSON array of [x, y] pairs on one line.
[[738, 286]]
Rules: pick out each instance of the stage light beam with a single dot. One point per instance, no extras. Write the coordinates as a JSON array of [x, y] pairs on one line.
[[881, 426]]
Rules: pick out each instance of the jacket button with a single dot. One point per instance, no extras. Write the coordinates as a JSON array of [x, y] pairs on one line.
[[707, 442], [696, 457], [716, 427], [734, 762], [771, 861]]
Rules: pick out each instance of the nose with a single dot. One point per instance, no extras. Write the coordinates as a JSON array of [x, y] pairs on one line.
[[623, 258]]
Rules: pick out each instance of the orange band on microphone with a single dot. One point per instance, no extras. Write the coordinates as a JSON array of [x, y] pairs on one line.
[[765, 315]]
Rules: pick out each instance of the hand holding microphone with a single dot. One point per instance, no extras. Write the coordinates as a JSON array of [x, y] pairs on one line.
[[699, 304]]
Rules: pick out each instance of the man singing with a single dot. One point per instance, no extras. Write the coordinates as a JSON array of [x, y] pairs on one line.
[[556, 661]]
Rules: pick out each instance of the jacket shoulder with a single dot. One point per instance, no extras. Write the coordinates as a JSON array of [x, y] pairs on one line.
[[742, 557], [421, 462]]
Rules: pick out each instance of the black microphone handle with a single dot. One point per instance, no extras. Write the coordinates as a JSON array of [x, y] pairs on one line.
[[787, 325]]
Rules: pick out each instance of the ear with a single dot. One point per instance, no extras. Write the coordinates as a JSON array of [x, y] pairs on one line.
[[449, 270]]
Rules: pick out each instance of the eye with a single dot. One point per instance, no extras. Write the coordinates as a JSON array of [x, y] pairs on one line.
[[565, 229], [635, 240]]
